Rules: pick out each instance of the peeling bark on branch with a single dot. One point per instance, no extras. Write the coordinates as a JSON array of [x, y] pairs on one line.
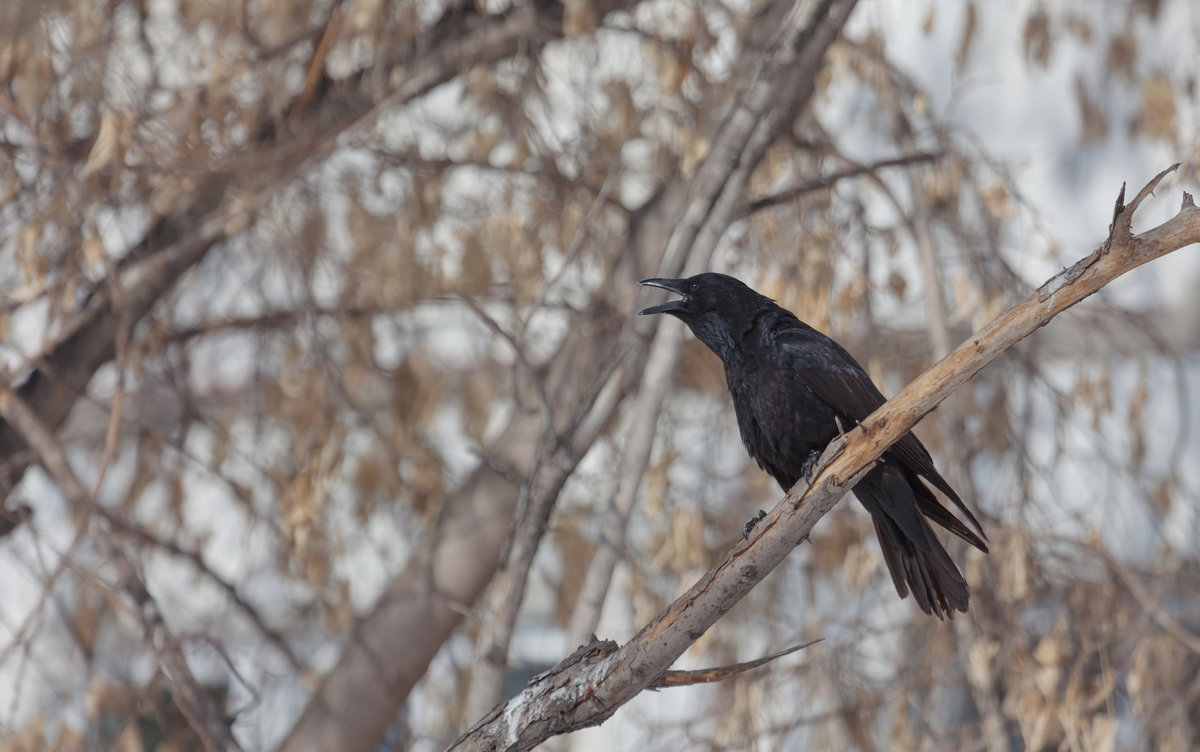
[[598, 682]]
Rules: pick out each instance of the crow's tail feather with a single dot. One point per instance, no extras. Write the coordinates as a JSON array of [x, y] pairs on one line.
[[919, 565]]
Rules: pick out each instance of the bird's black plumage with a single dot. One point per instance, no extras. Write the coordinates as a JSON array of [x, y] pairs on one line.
[[791, 386]]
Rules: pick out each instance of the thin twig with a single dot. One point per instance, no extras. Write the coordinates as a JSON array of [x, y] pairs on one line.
[[121, 340], [710, 675], [832, 179], [531, 373]]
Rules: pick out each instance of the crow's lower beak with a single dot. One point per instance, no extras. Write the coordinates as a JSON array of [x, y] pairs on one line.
[[670, 285]]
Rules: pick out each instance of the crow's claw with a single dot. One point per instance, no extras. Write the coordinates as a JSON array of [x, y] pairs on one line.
[[750, 523], [809, 465]]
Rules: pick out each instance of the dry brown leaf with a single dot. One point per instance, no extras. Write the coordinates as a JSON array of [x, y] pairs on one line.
[[1157, 118], [1094, 121], [1161, 497], [1015, 576], [1039, 40], [1122, 55], [576, 551], [859, 564], [672, 69], [1081, 27], [995, 198], [654, 485], [579, 17], [930, 17], [105, 145], [93, 251], [968, 36], [981, 656], [1135, 422], [365, 17], [897, 284], [33, 74], [30, 738]]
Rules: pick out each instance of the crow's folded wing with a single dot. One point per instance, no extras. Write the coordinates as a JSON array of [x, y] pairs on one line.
[[837, 379]]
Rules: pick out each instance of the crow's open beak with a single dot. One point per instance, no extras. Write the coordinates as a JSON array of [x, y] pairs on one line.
[[676, 286]]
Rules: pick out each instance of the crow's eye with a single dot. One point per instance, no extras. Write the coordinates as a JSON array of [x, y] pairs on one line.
[[694, 287]]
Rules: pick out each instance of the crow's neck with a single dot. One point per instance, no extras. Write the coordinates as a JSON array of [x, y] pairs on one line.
[[734, 335]]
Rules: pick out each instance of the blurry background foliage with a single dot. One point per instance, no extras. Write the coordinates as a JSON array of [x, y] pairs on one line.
[[387, 274]]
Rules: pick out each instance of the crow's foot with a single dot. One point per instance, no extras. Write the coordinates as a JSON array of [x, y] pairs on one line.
[[750, 523], [809, 465]]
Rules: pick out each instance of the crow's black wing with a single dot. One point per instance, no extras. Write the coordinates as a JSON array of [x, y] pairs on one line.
[[838, 380], [830, 372]]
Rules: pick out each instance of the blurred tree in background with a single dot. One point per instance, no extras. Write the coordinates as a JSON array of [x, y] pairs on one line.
[[327, 412]]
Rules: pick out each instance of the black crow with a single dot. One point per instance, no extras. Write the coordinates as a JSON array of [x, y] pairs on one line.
[[793, 390]]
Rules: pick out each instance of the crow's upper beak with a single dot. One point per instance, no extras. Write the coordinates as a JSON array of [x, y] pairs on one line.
[[676, 286]]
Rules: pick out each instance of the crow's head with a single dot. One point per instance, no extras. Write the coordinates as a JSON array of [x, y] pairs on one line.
[[704, 294], [717, 308]]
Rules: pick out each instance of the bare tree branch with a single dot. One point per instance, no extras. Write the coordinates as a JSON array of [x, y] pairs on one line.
[[590, 691], [832, 179], [711, 675]]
